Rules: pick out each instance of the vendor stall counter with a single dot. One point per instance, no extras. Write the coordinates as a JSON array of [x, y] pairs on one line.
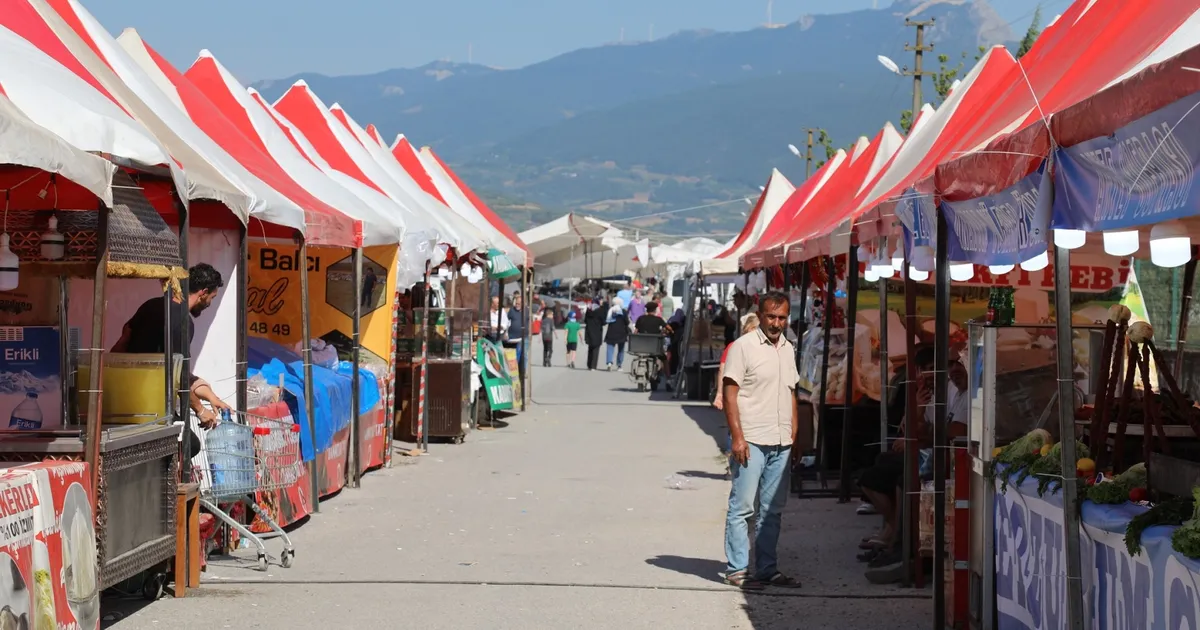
[[451, 353]]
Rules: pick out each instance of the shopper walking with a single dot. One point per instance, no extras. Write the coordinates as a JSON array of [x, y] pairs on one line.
[[516, 331], [594, 333], [616, 335], [758, 390], [572, 326], [547, 336]]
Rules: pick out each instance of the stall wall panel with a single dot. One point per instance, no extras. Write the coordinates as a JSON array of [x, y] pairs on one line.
[[214, 347]]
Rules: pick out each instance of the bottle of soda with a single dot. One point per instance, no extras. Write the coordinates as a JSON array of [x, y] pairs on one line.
[[990, 316], [1010, 307]]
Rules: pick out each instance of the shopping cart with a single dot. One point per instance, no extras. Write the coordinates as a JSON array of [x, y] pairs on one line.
[[244, 455]]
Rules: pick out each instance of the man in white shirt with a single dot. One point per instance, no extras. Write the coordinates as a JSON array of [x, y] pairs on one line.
[[499, 321], [759, 392]]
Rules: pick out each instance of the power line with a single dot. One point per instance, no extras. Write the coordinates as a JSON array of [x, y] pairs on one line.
[[677, 211]]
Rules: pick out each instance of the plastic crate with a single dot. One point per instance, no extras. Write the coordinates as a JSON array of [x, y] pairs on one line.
[[646, 344]]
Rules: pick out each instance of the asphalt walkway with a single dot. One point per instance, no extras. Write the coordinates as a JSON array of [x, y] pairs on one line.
[[596, 508]]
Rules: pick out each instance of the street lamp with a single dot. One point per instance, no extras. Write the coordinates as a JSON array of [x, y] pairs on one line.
[[795, 151], [890, 65]]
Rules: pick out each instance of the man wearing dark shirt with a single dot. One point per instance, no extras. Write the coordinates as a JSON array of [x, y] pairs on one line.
[[145, 333], [650, 323]]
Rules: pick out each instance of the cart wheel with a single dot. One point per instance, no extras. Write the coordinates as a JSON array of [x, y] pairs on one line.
[[641, 387], [262, 561], [285, 558], [458, 439], [153, 587]]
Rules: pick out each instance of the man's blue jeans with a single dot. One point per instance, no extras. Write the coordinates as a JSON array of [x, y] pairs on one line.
[[765, 475], [619, 349]]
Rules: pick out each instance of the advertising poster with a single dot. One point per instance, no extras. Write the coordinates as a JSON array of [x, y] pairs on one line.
[[273, 299], [30, 385], [510, 359], [65, 563], [331, 464], [496, 380], [19, 607]]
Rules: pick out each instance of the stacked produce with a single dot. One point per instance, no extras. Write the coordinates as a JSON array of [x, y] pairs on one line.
[[1036, 454], [1128, 486]]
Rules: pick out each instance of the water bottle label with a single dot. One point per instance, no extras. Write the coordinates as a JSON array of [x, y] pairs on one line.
[[22, 423]]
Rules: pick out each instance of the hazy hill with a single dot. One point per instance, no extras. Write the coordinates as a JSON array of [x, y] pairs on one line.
[[631, 129]]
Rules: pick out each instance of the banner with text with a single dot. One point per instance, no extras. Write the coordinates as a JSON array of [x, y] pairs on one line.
[[1002, 229], [1155, 590], [1144, 173], [273, 297]]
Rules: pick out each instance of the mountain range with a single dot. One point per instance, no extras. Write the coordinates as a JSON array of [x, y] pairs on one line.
[[627, 130]]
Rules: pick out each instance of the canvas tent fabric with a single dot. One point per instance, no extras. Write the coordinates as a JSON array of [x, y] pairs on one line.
[[614, 256], [24, 143], [457, 232], [58, 91], [774, 235], [570, 235], [434, 165], [850, 182], [244, 113], [322, 224], [776, 192], [210, 172]]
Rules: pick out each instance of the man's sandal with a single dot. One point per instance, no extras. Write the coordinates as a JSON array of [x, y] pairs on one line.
[[741, 579], [782, 581]]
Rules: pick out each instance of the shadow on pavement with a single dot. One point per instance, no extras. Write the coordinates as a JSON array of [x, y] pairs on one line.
[[705, 568], [700, 474], [712, 422]]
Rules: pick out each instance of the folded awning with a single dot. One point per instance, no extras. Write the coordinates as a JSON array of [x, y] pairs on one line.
[[500, 266]]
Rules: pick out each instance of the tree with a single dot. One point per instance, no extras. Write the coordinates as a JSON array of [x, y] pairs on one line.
[[1031, 35], [823, 140]]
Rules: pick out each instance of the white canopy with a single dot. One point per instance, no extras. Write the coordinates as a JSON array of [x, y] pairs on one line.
[[23, 143], [616, 256], [774, 195], [566, 237]]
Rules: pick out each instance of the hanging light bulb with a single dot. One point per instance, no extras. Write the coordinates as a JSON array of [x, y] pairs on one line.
[[898, 257], [54, 246], [9, 266], [1170, 245], [1070, 239], [1122, 243], [1000, 270], [962, 272], [917, 274], [1037, 263], [923, 258], [884, 268], [870, 276]]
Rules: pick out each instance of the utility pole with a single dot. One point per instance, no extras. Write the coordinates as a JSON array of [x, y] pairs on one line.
[[918, 67], [808, 155]]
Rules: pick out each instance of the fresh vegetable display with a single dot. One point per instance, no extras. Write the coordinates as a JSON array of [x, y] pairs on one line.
[[1049, 472], [1173, 511], [1186, 539], [1018, 456], [1128, 486]]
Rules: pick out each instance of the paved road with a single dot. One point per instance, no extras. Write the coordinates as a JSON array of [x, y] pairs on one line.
[[572, 516]]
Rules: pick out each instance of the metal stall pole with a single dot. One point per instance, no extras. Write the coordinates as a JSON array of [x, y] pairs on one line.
[[185, 376], [823, 401], [96, 359], [883, 355], [314, 467], [1066, 426], [423, 395], [243, 312], [355, 384], [848, 402], [802, 326], [1185, 307], [526, 336], [910, 502], [941, 393]]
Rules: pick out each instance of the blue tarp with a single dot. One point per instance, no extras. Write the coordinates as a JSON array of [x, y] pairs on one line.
[[368, 386], [331, 392]]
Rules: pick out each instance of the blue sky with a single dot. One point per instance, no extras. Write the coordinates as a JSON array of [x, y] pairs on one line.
[[267, 39]]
